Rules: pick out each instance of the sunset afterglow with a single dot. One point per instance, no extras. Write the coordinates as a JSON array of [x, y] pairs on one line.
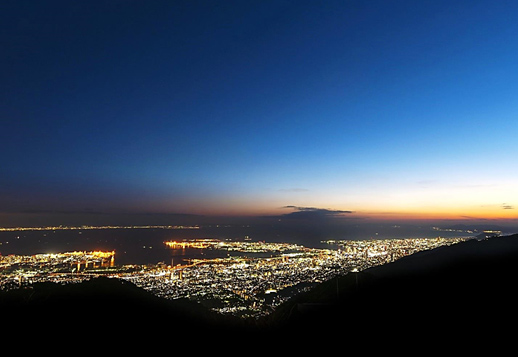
[[247, 109]]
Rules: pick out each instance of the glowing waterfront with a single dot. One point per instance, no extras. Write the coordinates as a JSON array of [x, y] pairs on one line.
[[248, 284]]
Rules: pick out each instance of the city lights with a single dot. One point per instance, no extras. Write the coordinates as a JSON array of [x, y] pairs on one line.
[[88, 227], [248, 283]]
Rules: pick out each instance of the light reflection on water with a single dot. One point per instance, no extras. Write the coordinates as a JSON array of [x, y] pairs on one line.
[[146, 246]]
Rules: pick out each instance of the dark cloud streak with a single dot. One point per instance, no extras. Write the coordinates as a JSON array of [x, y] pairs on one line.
[[312, 213]]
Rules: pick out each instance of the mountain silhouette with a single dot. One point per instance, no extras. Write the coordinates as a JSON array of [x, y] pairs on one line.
[[467, 288]]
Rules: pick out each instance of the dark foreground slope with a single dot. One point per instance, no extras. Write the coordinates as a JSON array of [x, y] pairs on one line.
[[467, 288], [101, 305]]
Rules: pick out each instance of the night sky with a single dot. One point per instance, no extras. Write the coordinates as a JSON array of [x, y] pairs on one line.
[[388, 110]]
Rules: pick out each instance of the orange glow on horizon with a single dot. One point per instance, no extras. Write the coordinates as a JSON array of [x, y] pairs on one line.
[[383, 212], [495, 212]]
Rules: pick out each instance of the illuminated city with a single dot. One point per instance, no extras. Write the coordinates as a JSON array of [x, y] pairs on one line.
[[87, 227], [18, 270], [250, 279]]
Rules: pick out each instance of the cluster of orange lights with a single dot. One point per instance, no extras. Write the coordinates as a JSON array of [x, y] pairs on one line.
[[197, 244]]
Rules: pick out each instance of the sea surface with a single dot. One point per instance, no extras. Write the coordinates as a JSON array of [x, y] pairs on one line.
[[146, 245]]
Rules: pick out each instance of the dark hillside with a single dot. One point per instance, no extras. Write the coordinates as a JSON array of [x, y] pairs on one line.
[[466, 288], [469, 288], [102, 305]]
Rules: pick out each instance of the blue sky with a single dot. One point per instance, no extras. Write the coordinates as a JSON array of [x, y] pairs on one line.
[[385, 108]]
